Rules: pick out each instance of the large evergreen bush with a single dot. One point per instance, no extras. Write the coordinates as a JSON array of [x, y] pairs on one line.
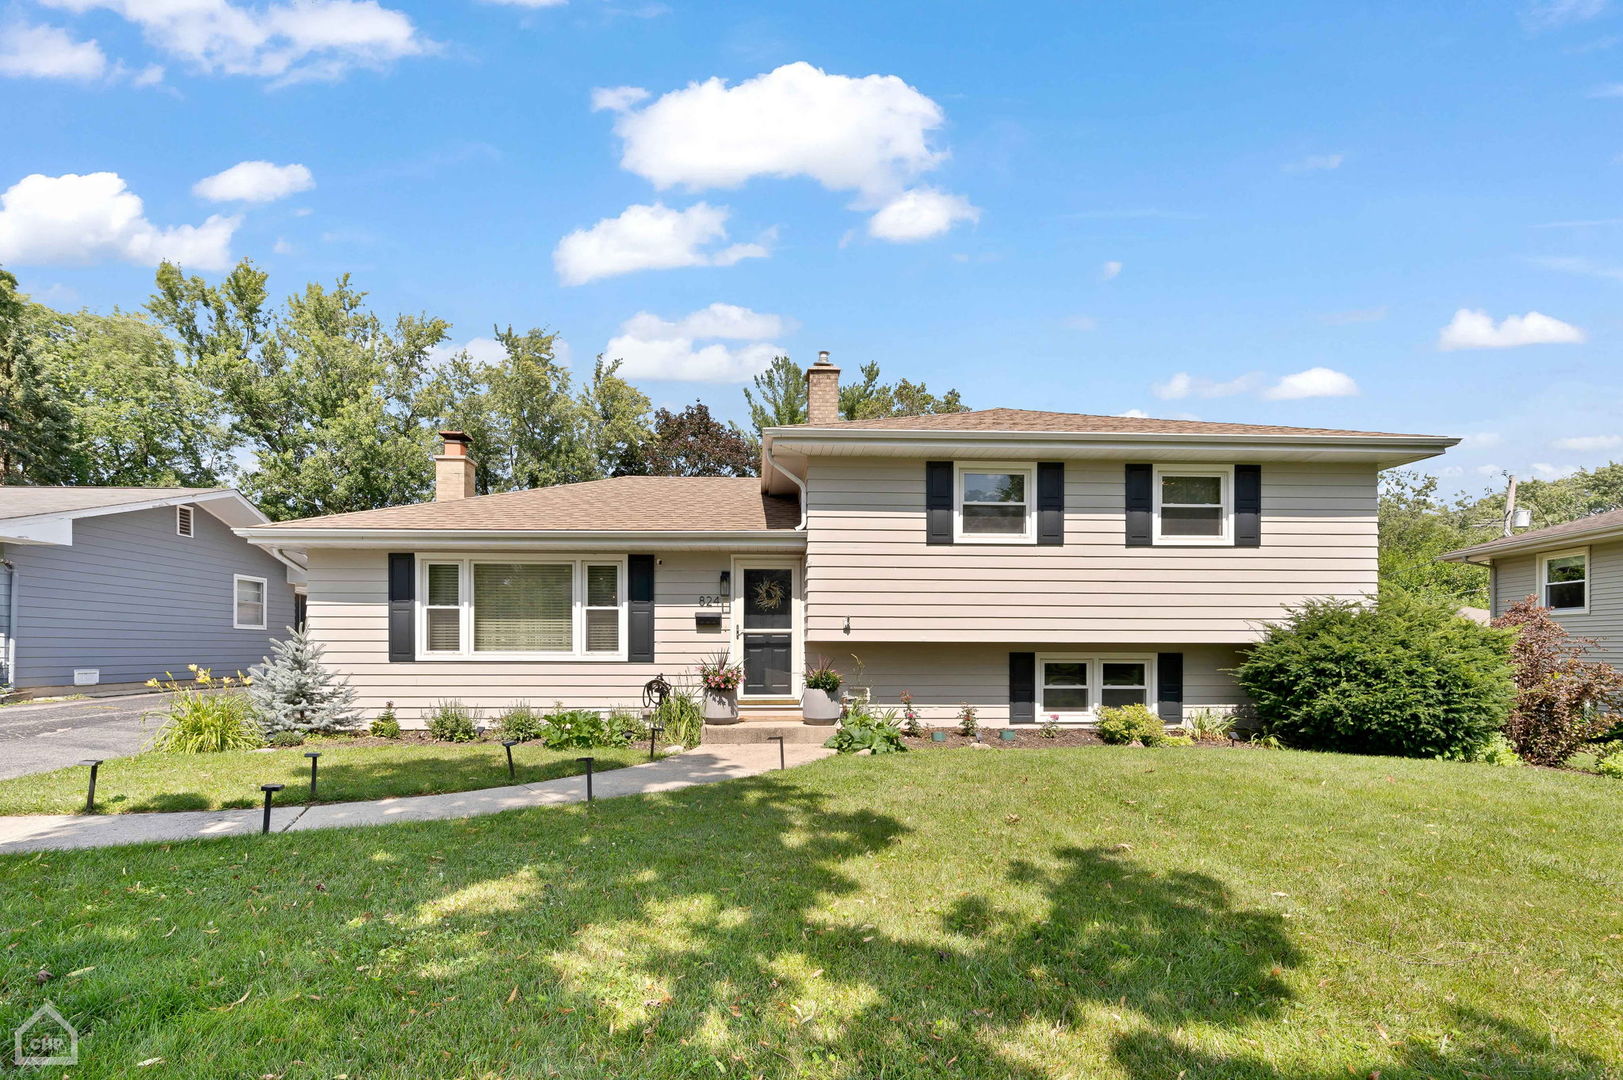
[[1401, 676], [293, 691]]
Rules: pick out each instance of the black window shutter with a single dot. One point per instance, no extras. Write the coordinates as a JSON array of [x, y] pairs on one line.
[[1022, 688], [402, 606], [1051, 502], [640, 609], [1169, 686], [1140, 505], [938, 502], [1248, 506]]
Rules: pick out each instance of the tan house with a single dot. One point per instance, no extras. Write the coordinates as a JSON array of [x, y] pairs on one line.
[[1027, 564], [1575, 569]]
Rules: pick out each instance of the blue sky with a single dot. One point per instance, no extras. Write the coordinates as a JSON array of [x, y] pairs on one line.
[[1400, 217]]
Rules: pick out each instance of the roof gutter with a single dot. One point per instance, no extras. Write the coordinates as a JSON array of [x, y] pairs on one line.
[[532, 539], [1530, 542], [766, 452]]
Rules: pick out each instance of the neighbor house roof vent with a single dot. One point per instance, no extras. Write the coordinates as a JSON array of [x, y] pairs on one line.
[[183, 520]]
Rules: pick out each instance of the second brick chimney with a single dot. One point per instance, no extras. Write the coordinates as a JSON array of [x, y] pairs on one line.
[[822, 392], [453, 468]]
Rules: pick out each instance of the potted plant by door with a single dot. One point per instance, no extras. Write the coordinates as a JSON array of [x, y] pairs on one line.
[[820, 700], [720, 678]]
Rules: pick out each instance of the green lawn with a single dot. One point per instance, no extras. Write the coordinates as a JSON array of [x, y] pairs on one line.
[[152, 782], [1147, 914]]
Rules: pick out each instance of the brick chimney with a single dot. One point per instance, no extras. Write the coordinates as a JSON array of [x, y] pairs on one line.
[[453, 468], [822, 392]]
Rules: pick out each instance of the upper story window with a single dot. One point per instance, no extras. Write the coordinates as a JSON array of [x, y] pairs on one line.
[[523, 607], [1564, 580], [994, 503], [1194, 504], [183, 521], [248, 602]]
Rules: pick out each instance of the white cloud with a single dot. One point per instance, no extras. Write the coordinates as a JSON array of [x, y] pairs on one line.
[[1607, 90], [1568, 264], [1589, 442], [617, 98], [49, 52], [481, 350], [85, 219], [1488, 470], [1550, 14], [920, 214], [1110, 271], [1546, 471], [1476, 330], [656, 349], [1481, 440], [254, 181], [529, 3], [282, 246], [651, 238], [1315, 163], [1313, 383], [1134, 413], [868, 135], [290, 42], [1185, 385]]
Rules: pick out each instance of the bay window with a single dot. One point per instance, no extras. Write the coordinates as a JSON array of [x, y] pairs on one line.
[[1073, 688], [541, 608]]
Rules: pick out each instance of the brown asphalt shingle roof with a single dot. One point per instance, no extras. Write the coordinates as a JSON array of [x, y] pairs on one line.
[[1567, 530], [1081, 423], [16, 502], [624, 503]]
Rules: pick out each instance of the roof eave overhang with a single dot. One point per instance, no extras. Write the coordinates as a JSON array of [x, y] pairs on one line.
[[528, 539], [56, 527], [1527, 543], [1385, 451]]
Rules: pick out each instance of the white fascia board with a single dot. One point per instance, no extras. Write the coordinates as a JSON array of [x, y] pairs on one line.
[[1528, 544], [530, 540], [56, 527]]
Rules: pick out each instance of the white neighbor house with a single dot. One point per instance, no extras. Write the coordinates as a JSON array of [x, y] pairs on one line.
[[1030, 564]]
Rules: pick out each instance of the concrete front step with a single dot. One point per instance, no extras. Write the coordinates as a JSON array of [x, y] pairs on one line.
[[747, 732]]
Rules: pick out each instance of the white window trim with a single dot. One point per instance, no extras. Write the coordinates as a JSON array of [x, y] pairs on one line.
[[1226, 474], [1095, 662], [264, 602], [1029, 536], [188, 514], [467, 652], [1544, 579]]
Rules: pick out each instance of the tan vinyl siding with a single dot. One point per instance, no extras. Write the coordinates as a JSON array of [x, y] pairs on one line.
[[348, 613], [867, 561], [1515, 577], [942, 678]]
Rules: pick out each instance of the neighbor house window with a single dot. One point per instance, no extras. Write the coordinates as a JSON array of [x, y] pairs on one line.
[[994, 503], [1074, 688], [1193, 505], [522, 608], [1565, 578], [183, 521], [248, 603]]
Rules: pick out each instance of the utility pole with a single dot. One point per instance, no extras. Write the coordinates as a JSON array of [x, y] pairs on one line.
[[1510, 506]]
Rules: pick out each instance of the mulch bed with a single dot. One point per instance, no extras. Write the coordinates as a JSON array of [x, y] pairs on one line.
[[1025, 739]]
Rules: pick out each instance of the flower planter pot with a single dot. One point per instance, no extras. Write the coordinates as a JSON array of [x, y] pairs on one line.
[[819, 706], [721, 706]]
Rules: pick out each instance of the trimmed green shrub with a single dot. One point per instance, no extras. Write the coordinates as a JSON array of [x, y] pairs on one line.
[[1122, 724], [1497, 751], [452, 721], [1401, 675], [384, 725], [208, 721], [520, 722], [285, 739], [1611, 761], [681, 718]]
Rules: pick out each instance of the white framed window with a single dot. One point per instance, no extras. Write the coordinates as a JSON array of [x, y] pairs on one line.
[[183, 521], [521, 607], [1072, 688], [1564, 580], [1194, 504], [993, 503], [247, 602]]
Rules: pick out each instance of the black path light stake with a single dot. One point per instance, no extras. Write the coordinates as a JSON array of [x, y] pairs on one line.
[[90, 796], [652, 732], [312, 755], [269, 790], [588, 762], [779, 740], [509, 744]]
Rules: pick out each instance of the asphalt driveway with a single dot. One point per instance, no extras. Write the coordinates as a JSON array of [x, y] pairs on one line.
[[38, 738]]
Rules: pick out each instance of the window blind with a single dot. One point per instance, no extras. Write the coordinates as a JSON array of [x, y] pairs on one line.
[[523, 607]]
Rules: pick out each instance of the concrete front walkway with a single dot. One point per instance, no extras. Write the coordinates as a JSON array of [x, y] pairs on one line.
[[703, 765]]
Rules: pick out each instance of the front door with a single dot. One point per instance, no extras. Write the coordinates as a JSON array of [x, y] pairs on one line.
[[766, 630]]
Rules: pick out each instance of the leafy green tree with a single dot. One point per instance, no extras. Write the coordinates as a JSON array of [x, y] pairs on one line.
[[1416, 527], [870, 398], [336, 408], [617, 419], [36, 428], [694, 443], [782, 400]]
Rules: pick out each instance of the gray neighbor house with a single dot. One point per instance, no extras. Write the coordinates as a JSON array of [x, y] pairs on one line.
[[111, 586]]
